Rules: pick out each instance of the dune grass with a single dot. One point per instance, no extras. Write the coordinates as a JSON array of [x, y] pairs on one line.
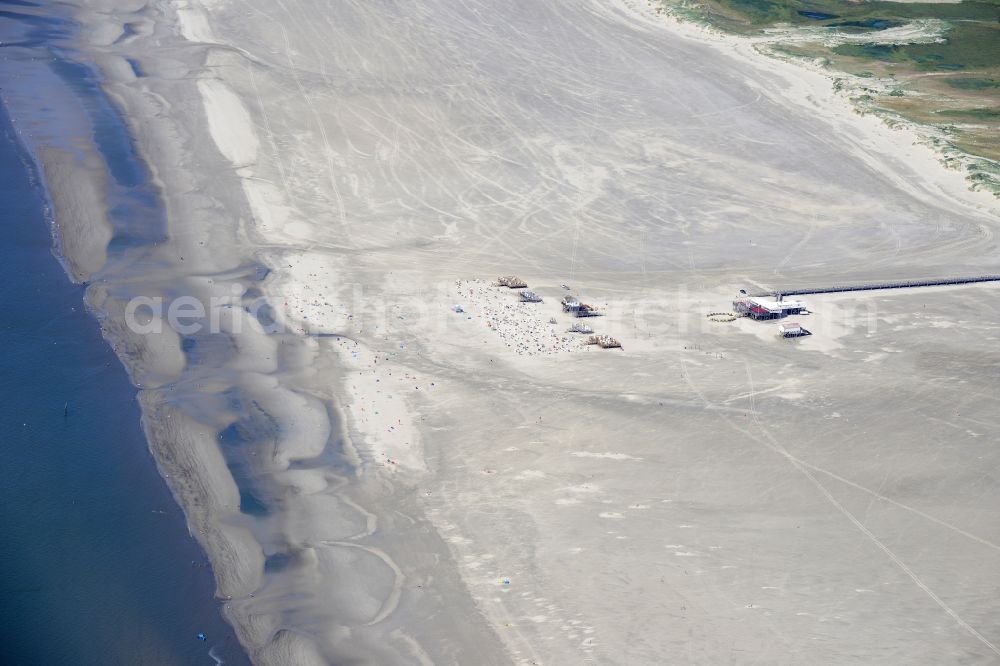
[[966, 106]]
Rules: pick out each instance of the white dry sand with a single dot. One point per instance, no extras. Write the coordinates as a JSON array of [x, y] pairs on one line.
[[478, 487]]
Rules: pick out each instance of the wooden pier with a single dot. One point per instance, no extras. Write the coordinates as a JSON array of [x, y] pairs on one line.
[[872, 286]]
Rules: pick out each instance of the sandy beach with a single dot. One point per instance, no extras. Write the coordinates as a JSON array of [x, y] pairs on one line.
[[389, 459]]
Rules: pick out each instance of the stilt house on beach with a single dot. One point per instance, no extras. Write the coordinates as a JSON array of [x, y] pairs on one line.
[[570, 303], [759, 308], [573, 305]]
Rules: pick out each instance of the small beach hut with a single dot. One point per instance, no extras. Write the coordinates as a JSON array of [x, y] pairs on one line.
[[604, 342], [791, 329], [511, 282]]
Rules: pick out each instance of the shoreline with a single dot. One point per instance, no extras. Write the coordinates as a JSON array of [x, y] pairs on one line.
[[263, 437], [79, 173], [286, 500]]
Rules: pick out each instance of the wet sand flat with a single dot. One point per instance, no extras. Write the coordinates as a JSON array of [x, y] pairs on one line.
[[391, 481]]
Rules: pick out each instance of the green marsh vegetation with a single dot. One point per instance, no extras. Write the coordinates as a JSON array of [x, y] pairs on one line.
[[931, 63]]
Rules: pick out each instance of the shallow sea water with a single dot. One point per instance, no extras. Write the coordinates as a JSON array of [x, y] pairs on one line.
[[97, 565]]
